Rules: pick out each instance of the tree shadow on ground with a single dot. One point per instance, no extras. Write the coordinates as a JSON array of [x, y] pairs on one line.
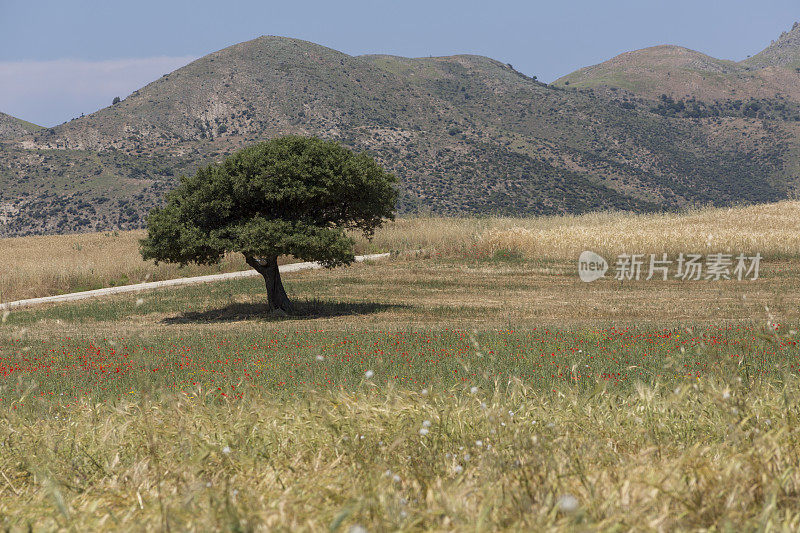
[[303, 310]]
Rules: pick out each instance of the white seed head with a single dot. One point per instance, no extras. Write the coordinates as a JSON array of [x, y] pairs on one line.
[[567, 503], [368, 374]]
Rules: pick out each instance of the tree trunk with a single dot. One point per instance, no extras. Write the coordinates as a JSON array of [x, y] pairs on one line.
[[276, 294]]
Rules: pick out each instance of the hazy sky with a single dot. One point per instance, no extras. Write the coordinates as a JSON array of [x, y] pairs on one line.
[[61, 58]]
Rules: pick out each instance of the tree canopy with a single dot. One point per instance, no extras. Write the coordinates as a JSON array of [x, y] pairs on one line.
[[288, 196]]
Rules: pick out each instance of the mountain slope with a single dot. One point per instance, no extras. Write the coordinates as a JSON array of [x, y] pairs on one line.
[[465, 134], [785, 52], [11, 127], [681, 73]]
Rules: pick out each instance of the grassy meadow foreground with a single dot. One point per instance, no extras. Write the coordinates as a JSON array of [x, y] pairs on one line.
[[472, 381]]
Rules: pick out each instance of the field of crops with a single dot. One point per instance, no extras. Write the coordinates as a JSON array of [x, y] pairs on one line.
[[232, 366], [474, 384]]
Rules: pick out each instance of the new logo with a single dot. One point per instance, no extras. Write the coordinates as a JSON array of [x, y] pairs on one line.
[[591, 266]]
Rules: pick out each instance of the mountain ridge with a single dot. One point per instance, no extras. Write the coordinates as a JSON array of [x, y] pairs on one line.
[[681, 72], [466, 134], [11, 126]]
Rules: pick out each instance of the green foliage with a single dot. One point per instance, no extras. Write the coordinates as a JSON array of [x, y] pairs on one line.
[[288, 196]]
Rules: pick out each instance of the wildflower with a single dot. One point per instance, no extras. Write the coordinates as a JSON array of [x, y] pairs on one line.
[[567, 503], [478, 443], [139, 301], [424, 392], [320, 358], [387, 473], [467, 457], [226, 450], [726, 395], [368, 374], [426, 423], [357, 529], [458, 469], [423, 431], [473, 390], [396, 478]]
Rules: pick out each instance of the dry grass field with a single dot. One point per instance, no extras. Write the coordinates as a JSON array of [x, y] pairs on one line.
[[41, 266], [472, 381]]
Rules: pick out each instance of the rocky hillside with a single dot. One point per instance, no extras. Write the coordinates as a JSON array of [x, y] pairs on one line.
[[465, 134], [771, 77], [11, 127], [785, 52]]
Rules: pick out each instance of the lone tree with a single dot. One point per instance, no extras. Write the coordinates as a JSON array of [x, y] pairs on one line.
[[288, 196]]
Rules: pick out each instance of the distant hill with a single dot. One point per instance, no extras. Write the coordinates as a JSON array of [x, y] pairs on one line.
[[680, 73], [465, 134], [11, 127]]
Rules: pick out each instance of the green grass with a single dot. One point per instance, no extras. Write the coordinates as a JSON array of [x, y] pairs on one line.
[[299, 362], [402, 396], [445, 323]]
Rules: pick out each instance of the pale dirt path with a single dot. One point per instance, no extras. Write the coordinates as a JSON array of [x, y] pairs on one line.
[[293, 267]]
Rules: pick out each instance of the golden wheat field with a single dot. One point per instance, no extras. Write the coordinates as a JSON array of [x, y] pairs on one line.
[[41, 266], [470, 382]]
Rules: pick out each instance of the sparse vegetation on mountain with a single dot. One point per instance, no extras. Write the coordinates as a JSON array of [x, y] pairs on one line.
[[11, 127], [464, 134]]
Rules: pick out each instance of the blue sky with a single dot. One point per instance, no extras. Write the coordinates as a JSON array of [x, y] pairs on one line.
[[59, 59]]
